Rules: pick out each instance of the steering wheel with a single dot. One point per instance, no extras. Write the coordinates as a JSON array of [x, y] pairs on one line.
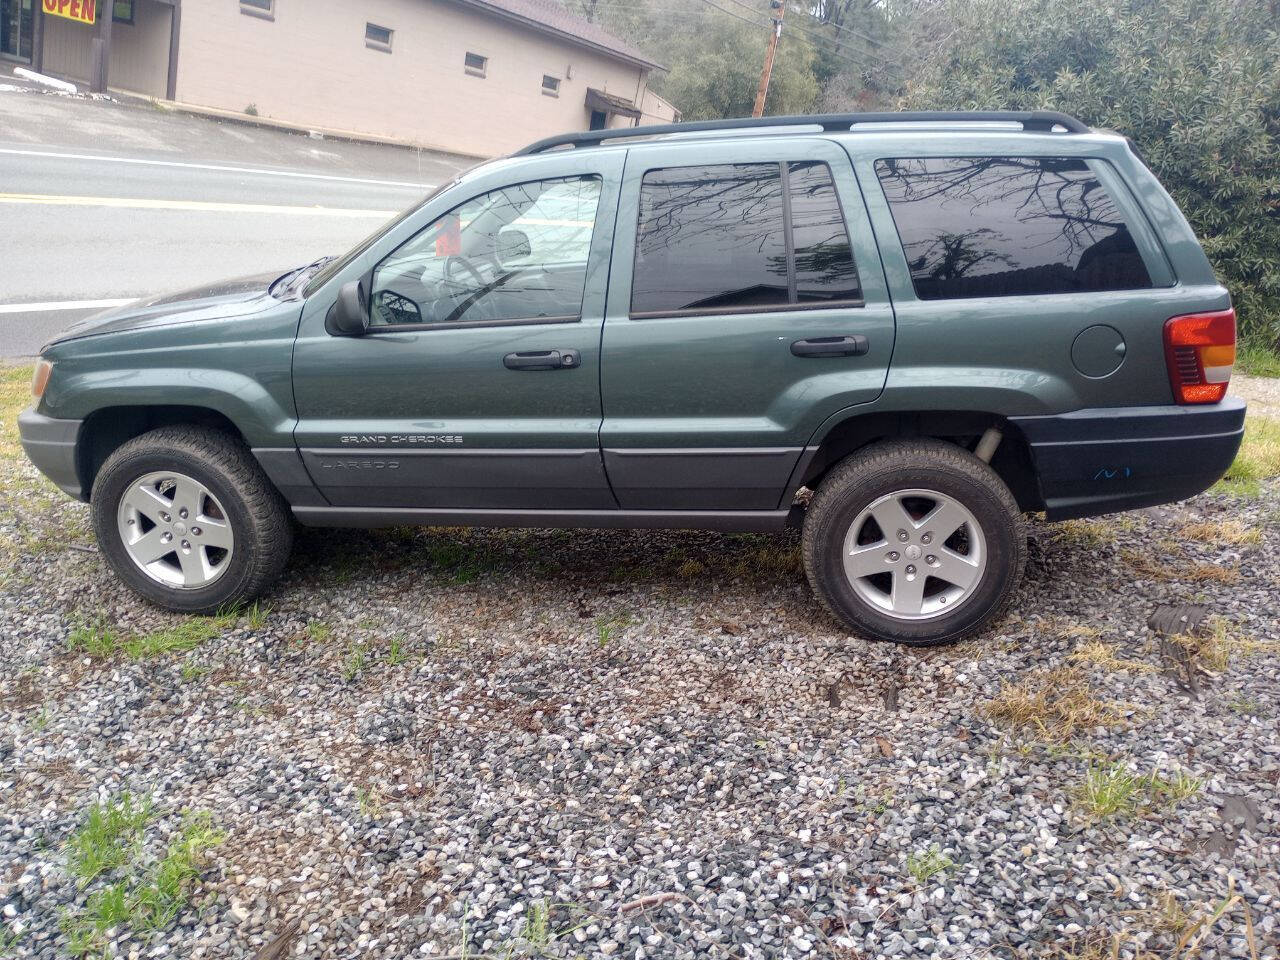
[[477, 305], [463, 262]]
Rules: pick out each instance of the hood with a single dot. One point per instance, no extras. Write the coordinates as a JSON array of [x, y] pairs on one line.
[[217, 301]]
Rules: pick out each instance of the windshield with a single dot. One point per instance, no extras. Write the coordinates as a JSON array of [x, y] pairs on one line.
[[338, 264]]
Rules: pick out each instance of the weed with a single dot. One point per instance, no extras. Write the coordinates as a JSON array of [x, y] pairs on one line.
[[1115, 790], [96, 638], [255, 615], [370, 802], [1247, 706], [607, 627], [1102, 655], [251, 110], [356, 660], [319, 632], [1055, 703], [1227, 533], [928, 864], [99, 639], [1258, 459], [1213, 651], [40, 722], [109, 836], [1195, 572], [9, 939], [192, 671], [396, 653], [1257, 360], [143, 901], [157, 902], [1082, 534]]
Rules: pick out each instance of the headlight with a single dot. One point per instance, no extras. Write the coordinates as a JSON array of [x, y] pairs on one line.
[[40, 377]]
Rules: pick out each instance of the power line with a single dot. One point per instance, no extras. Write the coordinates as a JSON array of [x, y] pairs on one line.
[[833, 52], [832, 40]]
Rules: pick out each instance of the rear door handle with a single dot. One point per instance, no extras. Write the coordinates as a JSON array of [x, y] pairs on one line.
[[854, 346], [543, 360]]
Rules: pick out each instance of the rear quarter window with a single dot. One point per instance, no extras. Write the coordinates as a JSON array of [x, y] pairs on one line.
[[1008, 226]]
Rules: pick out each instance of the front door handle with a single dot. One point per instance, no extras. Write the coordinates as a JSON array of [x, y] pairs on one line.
[[543, 360], [854, 346]]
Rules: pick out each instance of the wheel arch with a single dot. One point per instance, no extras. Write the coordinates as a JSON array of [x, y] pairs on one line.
[[1012, 461], [107, 428]]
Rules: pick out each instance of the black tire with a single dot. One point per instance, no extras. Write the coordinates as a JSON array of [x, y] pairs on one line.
[[257, 514], [885, 468]]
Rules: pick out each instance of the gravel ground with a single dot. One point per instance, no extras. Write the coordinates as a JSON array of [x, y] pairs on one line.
[[1262, 394], [424, 737]]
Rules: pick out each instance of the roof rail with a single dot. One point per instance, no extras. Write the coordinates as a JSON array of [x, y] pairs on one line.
[[1038, 121]]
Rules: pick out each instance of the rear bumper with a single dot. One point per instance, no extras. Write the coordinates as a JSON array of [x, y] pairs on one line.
[[51, 445], [1121, 458]]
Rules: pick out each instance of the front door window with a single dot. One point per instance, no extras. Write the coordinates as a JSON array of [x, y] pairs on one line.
[[515, 254]]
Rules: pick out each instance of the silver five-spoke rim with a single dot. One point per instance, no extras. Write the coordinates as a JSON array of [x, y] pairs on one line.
[[175, 530], [915, 554]]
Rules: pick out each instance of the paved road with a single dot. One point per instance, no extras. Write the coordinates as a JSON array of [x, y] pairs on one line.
[[104, 202]]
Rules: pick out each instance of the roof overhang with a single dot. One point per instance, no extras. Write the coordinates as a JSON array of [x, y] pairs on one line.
[[608, 103], [481, 6]]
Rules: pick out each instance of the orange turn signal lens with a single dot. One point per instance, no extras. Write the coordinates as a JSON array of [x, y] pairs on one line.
[[1200, 350], [40, 377]]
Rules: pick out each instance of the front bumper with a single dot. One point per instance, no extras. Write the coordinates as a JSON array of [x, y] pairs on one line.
[[1121, 458], [51, 445]]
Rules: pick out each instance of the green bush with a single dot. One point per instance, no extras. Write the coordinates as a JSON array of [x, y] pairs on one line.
[[1195, 83]]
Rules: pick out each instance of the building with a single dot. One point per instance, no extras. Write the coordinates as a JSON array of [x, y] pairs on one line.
[[480, 77]]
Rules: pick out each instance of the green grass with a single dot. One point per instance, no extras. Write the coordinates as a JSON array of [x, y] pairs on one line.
[[1258, 459], [396, 652], [109, 837], [1257, 360], [356, 661], [927, 864], [100, 639], [1117, 791], [146, 899], [607, 627], [15, 394]]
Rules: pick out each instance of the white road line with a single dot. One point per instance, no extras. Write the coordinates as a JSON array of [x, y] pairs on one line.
[[209, 206], [215, 166], [50, 306]]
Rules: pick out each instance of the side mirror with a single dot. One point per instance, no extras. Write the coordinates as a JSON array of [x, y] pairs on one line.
[[349, 315], [513, 244]]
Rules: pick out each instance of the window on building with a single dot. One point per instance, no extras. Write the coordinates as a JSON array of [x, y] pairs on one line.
[[475, 64], [379, 38], [1008, 226], [716, 238], [515, 254], [550, 85], [122, 11], [259, 8]]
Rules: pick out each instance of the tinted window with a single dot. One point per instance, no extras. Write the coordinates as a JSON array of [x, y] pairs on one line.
[[710, 237], [993, 227], [519, 253], [715, 238], [824, 261]]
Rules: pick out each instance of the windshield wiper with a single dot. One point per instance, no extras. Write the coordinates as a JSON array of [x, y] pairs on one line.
[[291, 280]]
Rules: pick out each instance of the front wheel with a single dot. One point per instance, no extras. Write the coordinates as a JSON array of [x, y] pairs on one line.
[[914, 542], [187, 519]]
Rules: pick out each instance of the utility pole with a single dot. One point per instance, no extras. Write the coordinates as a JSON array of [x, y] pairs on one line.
[[779, 9]]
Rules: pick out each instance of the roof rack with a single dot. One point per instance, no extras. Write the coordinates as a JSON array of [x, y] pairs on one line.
[[1037, 121]]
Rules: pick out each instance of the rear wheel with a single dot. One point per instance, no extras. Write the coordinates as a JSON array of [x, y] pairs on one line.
[[186, 517], [915, 542]]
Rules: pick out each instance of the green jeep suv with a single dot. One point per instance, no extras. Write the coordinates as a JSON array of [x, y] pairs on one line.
[[900, 331]]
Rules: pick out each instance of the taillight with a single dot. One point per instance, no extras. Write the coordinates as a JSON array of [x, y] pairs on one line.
[[1200, 350]]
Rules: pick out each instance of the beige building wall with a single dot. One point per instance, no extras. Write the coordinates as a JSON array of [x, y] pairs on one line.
[[139, 51], [310, 65]]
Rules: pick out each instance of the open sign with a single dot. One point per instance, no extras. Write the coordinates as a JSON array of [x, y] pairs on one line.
[[84, 11]]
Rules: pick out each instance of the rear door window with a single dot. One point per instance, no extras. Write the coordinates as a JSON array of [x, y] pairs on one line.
[[1008, 226], [731, 237]]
